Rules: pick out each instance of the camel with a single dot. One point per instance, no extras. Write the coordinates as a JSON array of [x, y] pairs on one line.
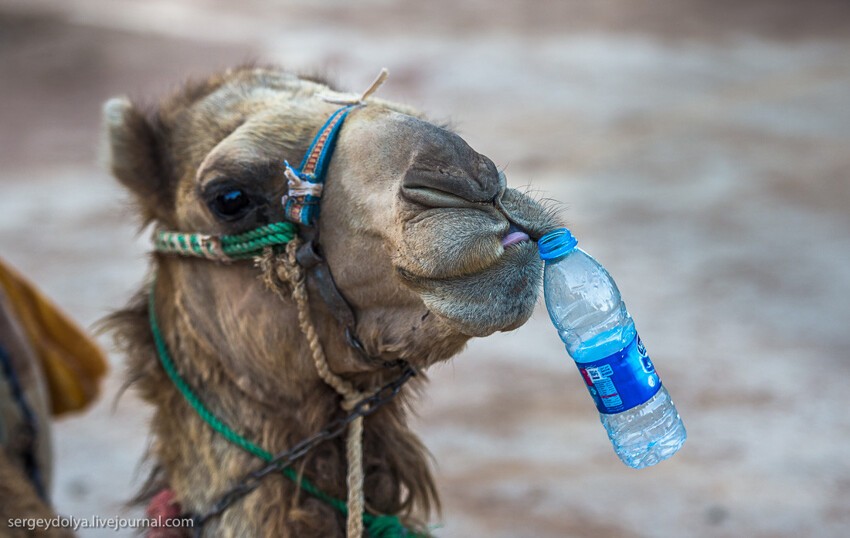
[[420, 233], [48, 367], [24, 470]]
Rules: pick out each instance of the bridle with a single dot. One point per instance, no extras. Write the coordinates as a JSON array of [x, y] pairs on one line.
[[301, 206], [295, 242]]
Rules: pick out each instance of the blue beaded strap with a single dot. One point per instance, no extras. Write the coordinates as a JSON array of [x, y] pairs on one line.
[[306, 183]]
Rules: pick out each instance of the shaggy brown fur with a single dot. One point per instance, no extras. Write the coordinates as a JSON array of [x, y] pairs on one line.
[[400, 194], [199, 464]]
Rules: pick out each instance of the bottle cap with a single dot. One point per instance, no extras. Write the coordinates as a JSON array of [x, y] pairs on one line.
[[556, 244]]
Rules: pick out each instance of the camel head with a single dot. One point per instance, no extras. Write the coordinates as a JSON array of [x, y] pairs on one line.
[[421, 234]]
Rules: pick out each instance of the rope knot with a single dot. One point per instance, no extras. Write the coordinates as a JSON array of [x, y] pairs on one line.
[[301, 184], [350, 402]]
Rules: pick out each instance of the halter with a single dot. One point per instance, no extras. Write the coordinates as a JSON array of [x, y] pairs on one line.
[[301, 204], [307, 182]]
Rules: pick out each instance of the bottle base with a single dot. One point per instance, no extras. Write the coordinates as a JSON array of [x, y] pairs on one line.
[[647, 434], [656, 451]]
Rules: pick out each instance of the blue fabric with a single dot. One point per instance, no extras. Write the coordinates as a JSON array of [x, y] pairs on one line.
[[330, 144], [305, 209], [324, 126]]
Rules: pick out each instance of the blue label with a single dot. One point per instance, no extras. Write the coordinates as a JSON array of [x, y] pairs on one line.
[[623, 380]]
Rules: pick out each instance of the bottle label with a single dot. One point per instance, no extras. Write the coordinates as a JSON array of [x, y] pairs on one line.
[[623, 380]]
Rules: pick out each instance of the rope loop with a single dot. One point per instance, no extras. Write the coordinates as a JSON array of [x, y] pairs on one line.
[[350, 395]]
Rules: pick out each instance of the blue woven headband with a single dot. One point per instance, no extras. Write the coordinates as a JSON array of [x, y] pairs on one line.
[[306, 183]]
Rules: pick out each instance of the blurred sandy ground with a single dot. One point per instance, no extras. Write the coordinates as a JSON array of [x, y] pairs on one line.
[[702, 150]]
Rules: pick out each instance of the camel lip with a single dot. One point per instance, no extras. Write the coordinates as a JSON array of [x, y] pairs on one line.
[[512, 243], [500, 298], [535, 222]]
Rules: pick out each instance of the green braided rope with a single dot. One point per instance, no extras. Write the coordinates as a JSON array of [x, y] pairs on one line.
[[259, 233], [236, 247], [253, 242], [382, 526]]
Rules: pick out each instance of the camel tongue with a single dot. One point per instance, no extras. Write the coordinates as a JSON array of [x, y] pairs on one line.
[[515, 235]]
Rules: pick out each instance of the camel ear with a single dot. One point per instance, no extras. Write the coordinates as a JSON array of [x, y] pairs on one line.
[[131, 153]]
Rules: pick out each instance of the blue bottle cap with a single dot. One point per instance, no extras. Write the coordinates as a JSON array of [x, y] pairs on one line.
[[556, 244]]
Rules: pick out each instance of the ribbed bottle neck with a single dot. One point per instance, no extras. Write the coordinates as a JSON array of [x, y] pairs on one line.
[[556, 244]]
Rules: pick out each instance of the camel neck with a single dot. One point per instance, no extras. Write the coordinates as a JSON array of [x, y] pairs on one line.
[[195, 460]]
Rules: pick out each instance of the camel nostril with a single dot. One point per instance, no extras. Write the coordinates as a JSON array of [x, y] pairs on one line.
[[436, 198], [433, 180], [437, 187], [441, 161]]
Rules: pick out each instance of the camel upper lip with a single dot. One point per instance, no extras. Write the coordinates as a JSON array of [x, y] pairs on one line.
[[524, 215]]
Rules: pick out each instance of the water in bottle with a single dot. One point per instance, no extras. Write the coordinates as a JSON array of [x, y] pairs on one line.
[[585, 306]]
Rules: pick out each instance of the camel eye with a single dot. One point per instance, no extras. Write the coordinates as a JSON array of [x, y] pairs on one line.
[[231, 204]]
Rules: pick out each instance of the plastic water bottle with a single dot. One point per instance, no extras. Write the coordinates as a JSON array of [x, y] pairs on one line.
[[585, 306]]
